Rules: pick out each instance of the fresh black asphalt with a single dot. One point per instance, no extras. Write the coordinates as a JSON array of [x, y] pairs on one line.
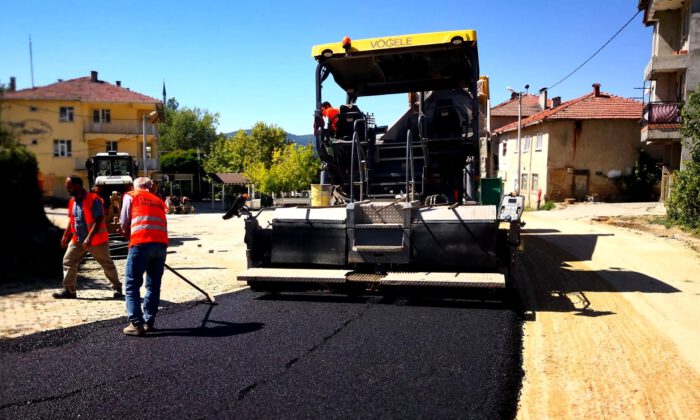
[[255, 355]]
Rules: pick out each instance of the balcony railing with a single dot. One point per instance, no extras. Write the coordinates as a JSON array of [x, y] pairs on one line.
[[119, 127], [662, 113]]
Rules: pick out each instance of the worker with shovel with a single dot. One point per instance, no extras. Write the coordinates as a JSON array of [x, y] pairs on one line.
[[86, 232], [144, 225]]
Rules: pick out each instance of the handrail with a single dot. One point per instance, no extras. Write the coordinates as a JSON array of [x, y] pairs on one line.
[[355, 140], [409, 160]]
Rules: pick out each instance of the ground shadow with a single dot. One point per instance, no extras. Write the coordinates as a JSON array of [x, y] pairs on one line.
[[206, 329], [199, 268], [179, 240], [547, 279], [526, 231], [26, 284], [313, 297], [204, 207]]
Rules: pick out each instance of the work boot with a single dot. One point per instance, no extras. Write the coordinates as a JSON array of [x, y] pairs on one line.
[[149, 328], [65, 294], [118, 294], [134, 329]]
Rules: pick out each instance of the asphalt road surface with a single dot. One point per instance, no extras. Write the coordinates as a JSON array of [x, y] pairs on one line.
[[285, 356]]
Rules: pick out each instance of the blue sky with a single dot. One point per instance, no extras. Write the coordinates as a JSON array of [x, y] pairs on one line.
[[252, 61]]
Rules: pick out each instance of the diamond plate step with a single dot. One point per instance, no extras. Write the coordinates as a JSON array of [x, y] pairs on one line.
[[432, 279], [294, 275]]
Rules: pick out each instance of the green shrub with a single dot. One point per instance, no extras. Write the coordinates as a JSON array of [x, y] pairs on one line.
[[683, 204], [548, 205]]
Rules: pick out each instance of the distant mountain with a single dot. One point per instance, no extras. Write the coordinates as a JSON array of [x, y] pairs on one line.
[[302, 140]]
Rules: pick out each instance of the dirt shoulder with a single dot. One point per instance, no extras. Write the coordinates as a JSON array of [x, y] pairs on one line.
[[612, 318]]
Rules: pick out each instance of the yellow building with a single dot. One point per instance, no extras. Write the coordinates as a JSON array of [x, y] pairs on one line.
[[66, 122]]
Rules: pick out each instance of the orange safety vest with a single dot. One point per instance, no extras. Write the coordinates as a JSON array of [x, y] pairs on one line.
[[101, 236], [332, 115], [148, 223]]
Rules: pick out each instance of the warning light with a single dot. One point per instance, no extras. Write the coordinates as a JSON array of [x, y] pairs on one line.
[[346, 43]]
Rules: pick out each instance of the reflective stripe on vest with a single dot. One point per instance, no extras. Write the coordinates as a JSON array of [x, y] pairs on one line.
[[101, 236], [148, 222]]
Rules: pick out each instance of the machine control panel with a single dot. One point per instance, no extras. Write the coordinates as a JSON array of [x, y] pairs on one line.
[[511, 208]]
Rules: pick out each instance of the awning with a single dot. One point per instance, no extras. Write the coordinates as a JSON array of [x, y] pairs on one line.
[[230, 178]]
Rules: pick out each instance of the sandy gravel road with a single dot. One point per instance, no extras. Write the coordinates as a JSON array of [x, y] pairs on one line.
[[612, 328]]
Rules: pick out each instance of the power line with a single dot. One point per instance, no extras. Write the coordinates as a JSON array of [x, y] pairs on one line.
[[599, 50]]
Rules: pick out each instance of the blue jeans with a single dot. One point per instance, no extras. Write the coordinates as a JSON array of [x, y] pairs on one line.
[[150, 259]]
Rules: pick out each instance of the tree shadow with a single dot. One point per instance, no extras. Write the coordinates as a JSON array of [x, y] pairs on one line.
[[548, 280], [220, 329]]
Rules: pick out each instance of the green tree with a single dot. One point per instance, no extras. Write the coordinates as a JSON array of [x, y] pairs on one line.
[[691, 124], [265, 155], [187, 128], [295, 167], [683, 204], [180, 161], [245, 150]]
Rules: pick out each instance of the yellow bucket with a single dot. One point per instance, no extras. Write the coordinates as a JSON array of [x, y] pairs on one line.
[[320, 195]]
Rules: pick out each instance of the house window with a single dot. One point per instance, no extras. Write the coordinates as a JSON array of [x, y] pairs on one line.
[[112, 146], [523, 182], [62, 148], [685, 18], [101, 116], [32, 109], [65, 114], [526, 144], [535, 182], [505, 148], [35, 142], [538, 142]]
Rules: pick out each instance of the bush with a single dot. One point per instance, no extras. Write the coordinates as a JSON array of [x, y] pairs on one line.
[[683, 204], [548, 205], [35, 241]]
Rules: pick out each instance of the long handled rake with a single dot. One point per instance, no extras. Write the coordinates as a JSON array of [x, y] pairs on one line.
[[207, 295]]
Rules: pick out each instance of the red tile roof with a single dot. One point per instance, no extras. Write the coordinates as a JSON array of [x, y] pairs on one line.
[[81, 89], [509, 108], [588, 107]]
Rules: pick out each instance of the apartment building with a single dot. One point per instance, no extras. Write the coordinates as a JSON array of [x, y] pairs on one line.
[[66, 122], [672, 71]]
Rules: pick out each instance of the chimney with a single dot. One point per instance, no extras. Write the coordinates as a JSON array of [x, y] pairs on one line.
[[556, 101], [596, 89], [93, 76], [119, 83], [13, 84], [513, 95], [543, 99]]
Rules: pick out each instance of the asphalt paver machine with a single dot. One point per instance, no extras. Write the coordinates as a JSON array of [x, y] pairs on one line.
[[405, 209]]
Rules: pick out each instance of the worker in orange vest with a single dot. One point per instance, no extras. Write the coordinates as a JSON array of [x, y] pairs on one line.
[[86, 232], [144, 224], [331, 113]]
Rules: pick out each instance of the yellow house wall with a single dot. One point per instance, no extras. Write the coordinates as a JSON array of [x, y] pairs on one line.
[[44, 126]]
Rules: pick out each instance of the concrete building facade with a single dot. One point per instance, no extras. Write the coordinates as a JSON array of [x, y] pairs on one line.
[[66, 122], [673, 70]]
